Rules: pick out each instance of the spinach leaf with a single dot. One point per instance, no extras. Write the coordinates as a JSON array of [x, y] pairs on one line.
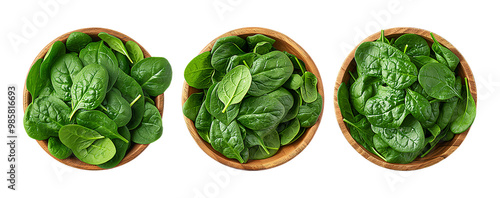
[[98, 53], [290, 132], [448, 109], [227, 139], [97, 153], [216, 106], [361, 132], [387, 108], [420, 61], [294, 82], [272, 143], [444, 55], [269, 72], [253, 139], [121, 149], [115, 44], [343, 102], [368, 57], [221, 56], [77, 137], [398, 73], [123, 62], [284, 97], [198, 72], [309, 112], [191, 107], [89, 88], [62, 74], [117, 108], [435, 106], [243, 59], [418, 105], [308, 90], [234, 86], [203, 119], [77, 41], [55, 51], [466, 111], [99, 122], [262, 47], [416, 87], [297, 63], [255, 39], [294, 110], [390, 155], [409, 137], [151, 127], [131, 91], [229, 39], [413, 45], [258, 113], [438, 81], [45, 116], [134, 51], [58, 149], [153, 74], [34, 82], [361, 90]]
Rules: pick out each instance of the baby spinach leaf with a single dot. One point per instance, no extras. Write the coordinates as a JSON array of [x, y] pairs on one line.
[[444, 55], [117, 108], [243, 59], [361, 90], [255, 39], [254, 139], [191, 107], [416, 87], [134, 51], [227, 139], [414, 44], [284, 97], [229, 39], [221, 56], [77, 41], [466, 111], [398, 73], [409, 137], [262, 47], [34, 82], [234, 86], [361, 132], [99, 122], [62, 74], [203, 119], [151, 127], [294, 82], [309, 112], [343, 102], [289, 133], [438, 81], [121, 149], [97, 153], [308, 90], [420, 61], [368, 57], [55, 51], [153, 74], [390, 155], [272, 143], [115, 44], [294, 110], [58, 149], [98, 53], [216, 106], [131, 91], [269, 72], [198, 72], [418, 105], [297, 63], [258, 113], [123, 62], [89, 88], [77, 137], [387, 108], [45, 116]]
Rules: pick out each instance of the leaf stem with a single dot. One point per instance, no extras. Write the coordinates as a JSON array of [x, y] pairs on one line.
[[406, 47], [244, 62], [135, 100], [352, 75], [103, 108]]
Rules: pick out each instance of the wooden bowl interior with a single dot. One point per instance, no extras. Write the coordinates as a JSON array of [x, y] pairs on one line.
[[72, 161], [285, 153], [441, 150]]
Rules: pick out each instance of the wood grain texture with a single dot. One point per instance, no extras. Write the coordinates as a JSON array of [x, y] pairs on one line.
[[442, 150], [135, 149], [285, 153]]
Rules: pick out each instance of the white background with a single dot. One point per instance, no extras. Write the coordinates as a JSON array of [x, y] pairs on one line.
[[175, 166]]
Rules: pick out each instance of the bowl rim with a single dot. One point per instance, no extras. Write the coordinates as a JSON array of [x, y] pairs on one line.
[[447, 147], [282, 156], [136, 149]]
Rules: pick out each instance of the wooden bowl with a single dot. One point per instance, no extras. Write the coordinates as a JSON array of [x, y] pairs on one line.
[[441, 150], [72, 161], [285, 153]]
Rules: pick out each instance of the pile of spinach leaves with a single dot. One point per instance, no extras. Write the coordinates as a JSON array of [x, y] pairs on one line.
[[93, 99], [405, 98], [253, 99]]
